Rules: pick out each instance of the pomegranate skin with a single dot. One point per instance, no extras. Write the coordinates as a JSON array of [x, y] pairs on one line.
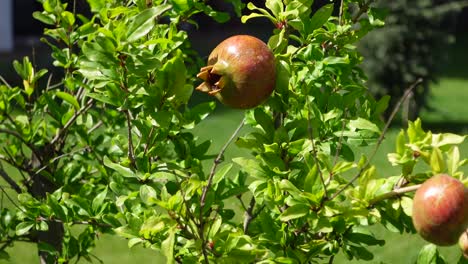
[[440, 210], [241, 72]]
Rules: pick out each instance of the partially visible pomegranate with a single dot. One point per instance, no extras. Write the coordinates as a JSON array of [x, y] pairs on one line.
[[241, 72], [463, 243], [440, 210]]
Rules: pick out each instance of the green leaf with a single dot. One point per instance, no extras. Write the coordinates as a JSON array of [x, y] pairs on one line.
[[252, 167], [361, 123], [181, 5], [453, 160], [437, 161], [147, 194], [167, 247], [97, 5], [275, 6], [124, 171], [265, 121], [23, 228], [222, 172], [69, 99], [294, 212], [143, 23], [428, 255], [400, 143], [99, 200], [336, 60], [45, 18], [441, 140], [319, 18]]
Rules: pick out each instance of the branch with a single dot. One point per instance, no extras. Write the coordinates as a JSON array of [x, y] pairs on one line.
[[217, 161], [362, 9], [70, 122], [18, 136], [393, 193], [11, 199], [91, 223], [9, 180], [131, 152], [382, 136], [314, 150], [250, 215]]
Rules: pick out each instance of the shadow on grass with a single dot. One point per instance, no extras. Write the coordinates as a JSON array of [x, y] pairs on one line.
[[446, 126]]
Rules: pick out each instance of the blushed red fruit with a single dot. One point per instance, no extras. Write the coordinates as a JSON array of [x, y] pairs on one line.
[[463, 243], [440, 210], [241, 72]]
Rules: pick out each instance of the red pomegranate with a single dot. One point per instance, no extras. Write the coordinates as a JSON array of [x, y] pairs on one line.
[[241, 72], [440, 210]]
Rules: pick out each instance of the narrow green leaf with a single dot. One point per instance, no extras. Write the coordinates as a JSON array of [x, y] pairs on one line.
[[143, 23], [23, 228], [99, 200], [252, 167], [124, 171], [265, 121], [428, 254], [167, 247], [147, 194], [361, 123], [437, 161], [294, 212], [69, 99], [222, 172], [45, 18], [275, 6], [319, 18]]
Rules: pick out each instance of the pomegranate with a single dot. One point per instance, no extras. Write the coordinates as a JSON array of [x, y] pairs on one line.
[[241, 72], [440, 210], [463, 243]]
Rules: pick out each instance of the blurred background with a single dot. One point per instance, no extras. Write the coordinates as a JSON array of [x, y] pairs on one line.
[[422, 38]]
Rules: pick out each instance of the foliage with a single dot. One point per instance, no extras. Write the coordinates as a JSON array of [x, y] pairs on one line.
[[413, 44], [110, 146]]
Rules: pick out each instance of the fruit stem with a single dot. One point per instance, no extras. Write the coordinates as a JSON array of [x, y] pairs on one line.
[[393, 193]]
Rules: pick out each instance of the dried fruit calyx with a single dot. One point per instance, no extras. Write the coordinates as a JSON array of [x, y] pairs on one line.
[[240, 73]]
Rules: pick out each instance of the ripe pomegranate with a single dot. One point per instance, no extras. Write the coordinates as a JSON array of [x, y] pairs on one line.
[[241, 72], [440, 210], [463, 243]]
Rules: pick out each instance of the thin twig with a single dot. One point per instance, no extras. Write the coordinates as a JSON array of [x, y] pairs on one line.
[[381, 138], [362, 9], [248, 217], [314, 149], [339, 147], [131, 153], [340, 16], [393, 193], [70, 122], [5, 82], [216, 162], [61, 156]]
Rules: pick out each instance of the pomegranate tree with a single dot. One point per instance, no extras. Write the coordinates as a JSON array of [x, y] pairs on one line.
[[440, 210], [240, 73]]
